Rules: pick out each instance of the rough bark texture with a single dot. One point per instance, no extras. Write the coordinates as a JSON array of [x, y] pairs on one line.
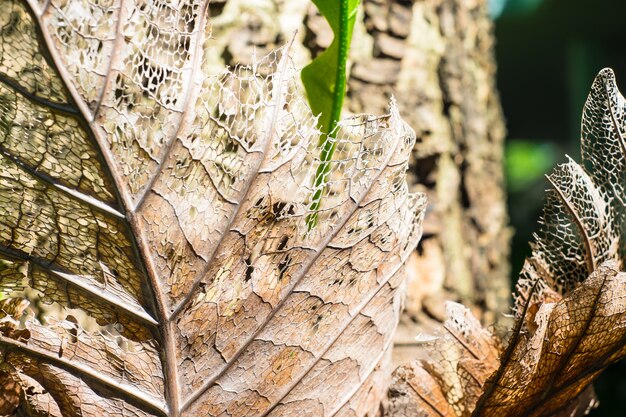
[[436, 58]]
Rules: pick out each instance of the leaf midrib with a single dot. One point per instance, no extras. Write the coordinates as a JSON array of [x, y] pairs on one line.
[[157, 297]]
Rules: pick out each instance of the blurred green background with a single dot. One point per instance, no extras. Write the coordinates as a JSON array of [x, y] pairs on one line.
[[548, 53]]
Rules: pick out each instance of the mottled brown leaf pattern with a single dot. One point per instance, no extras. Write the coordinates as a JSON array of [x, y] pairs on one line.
[[10, 391], [158, 208], [36, 117]]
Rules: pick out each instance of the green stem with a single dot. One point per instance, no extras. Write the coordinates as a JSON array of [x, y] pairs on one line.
[[329, 133]]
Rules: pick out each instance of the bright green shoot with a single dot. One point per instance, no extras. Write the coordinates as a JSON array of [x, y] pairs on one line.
[[324, 80]]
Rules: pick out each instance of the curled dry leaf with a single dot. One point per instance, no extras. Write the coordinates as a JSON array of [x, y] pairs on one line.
[[571, 295], [568, 332], [160, 209], [449, 379], [553, 363]]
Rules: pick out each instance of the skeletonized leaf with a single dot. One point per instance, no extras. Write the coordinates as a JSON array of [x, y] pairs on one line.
[[154, 212], [570, 303]]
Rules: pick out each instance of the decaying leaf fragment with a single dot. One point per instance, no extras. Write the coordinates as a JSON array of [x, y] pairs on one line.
[[166, 203], [571, 295], [557, 356], [449, 378], [12, 310], [10, 391]]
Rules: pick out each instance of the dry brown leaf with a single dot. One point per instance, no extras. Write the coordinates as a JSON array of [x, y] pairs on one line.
[[159, 209], [573, 340], [448, 379], [10, 392], [571, 296]]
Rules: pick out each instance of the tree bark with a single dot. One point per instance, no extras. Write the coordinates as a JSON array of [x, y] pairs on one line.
[[436, 58]]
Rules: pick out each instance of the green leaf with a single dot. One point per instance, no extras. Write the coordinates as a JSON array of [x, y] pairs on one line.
[[526, 162], [324, 80]]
